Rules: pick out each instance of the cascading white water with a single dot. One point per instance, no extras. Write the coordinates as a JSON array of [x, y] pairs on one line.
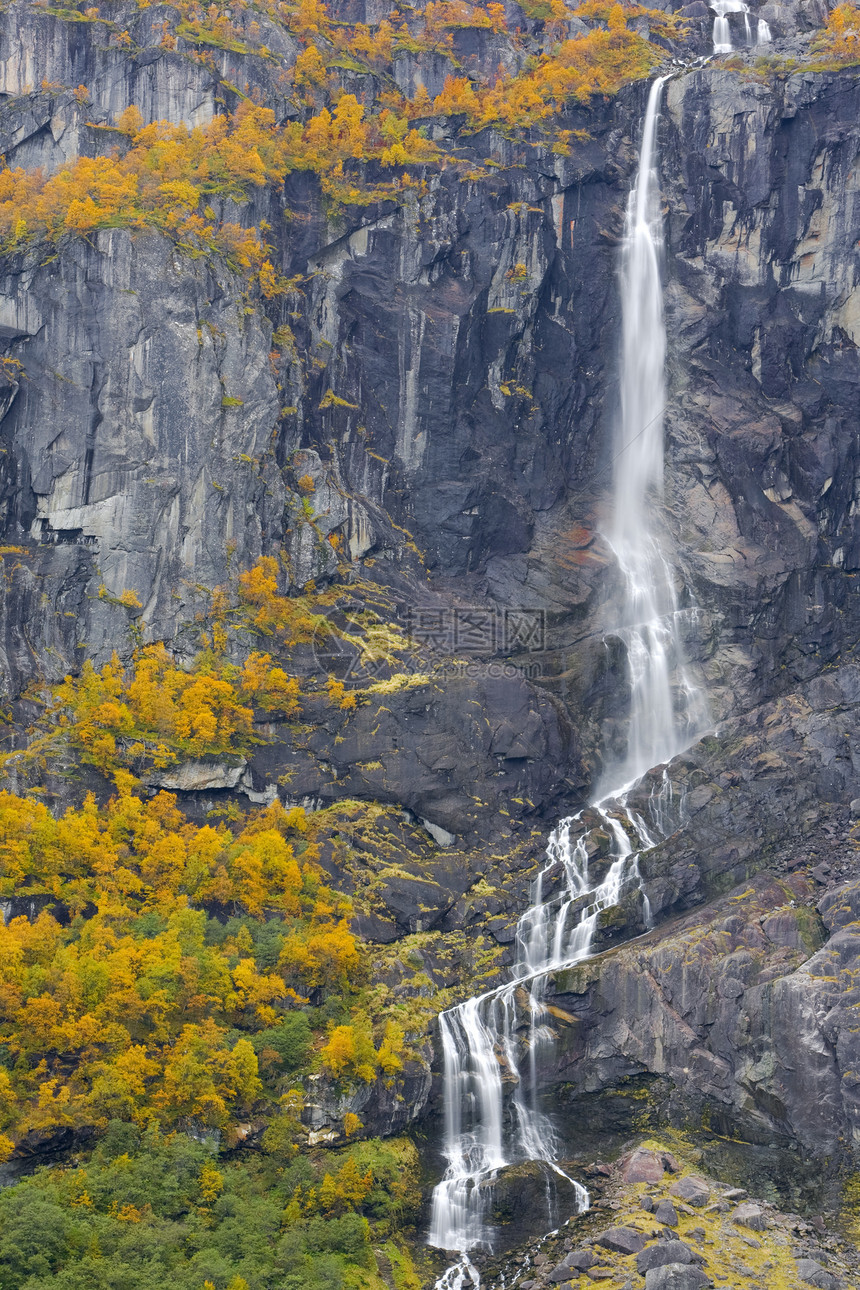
[[485, 1050], [722, 35], [481, 1046], [722, 31]]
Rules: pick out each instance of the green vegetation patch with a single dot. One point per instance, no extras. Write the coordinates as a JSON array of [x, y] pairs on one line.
[[147, 1210]]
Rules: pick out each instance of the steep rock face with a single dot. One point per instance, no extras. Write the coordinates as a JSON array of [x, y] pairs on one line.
[[762, 308], [424, 355], [454, 751], [121, 61], [765, 784], [492, 423], [750, 1030], [122, 437], [451, 369], [739, 1010]]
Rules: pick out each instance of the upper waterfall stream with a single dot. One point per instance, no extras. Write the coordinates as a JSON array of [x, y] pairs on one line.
[[722, 30], [494, 1041]]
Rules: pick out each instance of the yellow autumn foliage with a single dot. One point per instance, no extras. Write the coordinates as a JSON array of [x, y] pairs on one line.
[[124, 1002], [839, 43], [156, 712], [167, 177]]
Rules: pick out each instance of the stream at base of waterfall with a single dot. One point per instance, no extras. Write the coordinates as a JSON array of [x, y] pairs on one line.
[[491, 1044]]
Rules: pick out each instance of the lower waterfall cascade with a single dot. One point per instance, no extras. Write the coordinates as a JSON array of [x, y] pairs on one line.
[[481, 1038]]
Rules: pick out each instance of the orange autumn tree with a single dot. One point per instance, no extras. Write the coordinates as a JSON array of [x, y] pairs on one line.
[[163, 178], [457, 95], [146, 851], [156, 712], [599, 62], [839, 43], [167, 175], [596, 63]]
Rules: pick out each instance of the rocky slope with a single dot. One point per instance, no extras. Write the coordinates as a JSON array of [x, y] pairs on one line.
[[660, 1223]]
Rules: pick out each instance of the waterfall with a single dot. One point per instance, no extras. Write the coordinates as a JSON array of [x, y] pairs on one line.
[[480, 1039], [722, 35], [722, 32], [660, 724], [492, 1043]]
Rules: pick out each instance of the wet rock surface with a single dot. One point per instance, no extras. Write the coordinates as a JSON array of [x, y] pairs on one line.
[[662, 1011]]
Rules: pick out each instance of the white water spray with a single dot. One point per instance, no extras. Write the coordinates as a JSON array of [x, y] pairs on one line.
[[491, 1044]]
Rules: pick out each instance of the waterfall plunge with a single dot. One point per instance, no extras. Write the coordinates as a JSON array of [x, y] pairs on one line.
[[494, 1040], [658, 726]]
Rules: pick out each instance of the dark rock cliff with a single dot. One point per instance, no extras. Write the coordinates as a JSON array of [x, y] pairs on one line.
[[480, 399]]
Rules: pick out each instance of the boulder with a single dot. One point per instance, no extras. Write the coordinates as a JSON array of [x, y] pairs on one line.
[[663, 1253], [814, 1274], [623, 1240], [676, 1276], [643, 1166], [572, 1265], [693, 1190], [580, 1260], [666, 1214], [749, 1215]]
